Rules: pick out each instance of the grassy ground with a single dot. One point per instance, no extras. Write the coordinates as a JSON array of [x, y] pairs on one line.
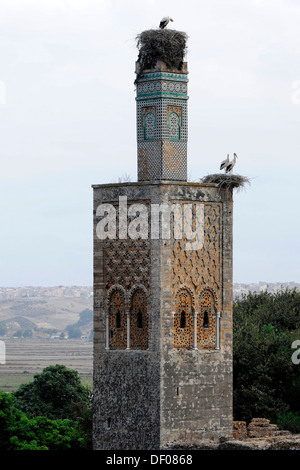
[[26, 357], [11, 382]]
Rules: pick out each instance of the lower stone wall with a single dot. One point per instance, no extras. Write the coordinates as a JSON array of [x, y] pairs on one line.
[[195, 396], [126, 404]]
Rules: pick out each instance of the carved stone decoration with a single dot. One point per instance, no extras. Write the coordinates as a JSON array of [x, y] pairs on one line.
[[183, 320], [117, 320], [139, 320], [199, 270], [206, 320], [126, 276], [127, 263]]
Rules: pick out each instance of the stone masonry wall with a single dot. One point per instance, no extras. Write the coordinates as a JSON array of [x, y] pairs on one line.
[[144, 398], [126, 382], [196, 385]]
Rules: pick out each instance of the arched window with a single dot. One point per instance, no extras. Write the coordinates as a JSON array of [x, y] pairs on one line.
[[206, 321], [139, 321], [117, 321], [174, 126], [149, 123], [183, 320]]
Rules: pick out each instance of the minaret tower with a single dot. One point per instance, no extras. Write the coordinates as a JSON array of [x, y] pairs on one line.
[[162, 278], [162, 122]]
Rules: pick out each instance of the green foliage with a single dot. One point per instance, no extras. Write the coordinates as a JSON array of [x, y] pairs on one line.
[[289, 421], [266, 382], [56, 393], [53, 412], [19, 432]]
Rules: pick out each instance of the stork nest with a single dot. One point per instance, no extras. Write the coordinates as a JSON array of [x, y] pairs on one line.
[[167, 45], [229, 182]]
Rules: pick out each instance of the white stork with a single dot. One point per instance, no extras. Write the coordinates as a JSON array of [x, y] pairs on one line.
[[231, 164], [164, 22], [224, 163]]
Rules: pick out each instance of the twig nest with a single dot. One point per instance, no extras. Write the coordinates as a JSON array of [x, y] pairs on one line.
[[167, 45], [229, 182]]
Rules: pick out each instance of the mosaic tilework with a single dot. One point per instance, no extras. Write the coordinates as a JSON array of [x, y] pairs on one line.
[[162, 110], [174, 159], [174, 122], [163, 159], [162, 118], [160, 85], [149, 122]]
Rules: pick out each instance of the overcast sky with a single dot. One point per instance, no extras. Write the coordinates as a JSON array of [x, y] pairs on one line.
[[67, 121]]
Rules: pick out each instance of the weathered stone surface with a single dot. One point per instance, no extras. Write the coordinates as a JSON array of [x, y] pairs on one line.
[[261, 427], [239, 429], [291, 442], [146, 398]]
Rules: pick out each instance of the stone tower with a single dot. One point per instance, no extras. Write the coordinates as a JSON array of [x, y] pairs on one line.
[[162, 123], [162, 284]]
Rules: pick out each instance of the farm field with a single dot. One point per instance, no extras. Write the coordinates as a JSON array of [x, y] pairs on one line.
[[28, 356]]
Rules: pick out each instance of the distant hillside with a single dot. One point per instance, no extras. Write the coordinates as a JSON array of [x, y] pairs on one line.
[[43, 314], [83, 326], [16, 324]]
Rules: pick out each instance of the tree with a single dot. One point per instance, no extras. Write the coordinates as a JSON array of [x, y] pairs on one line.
[[56, 393], [266, 382], [19, 432]]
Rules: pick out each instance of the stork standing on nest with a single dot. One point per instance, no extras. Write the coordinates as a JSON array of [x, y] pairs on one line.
[[224, 163], [231, 164], [164, 22]]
